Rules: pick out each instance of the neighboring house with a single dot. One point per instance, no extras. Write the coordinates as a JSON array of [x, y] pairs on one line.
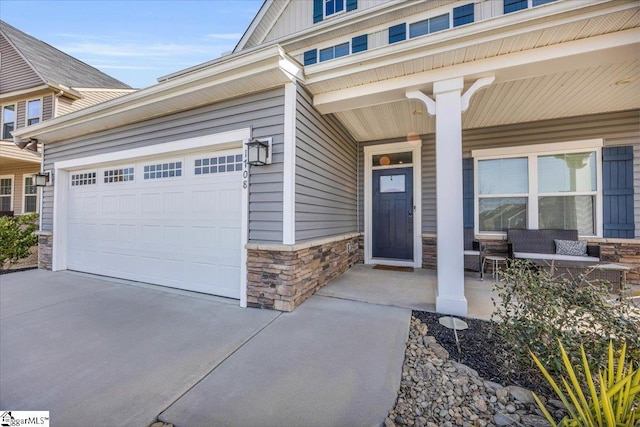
[[379, 151], [37, 83]]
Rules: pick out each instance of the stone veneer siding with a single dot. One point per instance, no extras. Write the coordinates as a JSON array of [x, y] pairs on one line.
[[45, 249], [624, 251], [281, 277]]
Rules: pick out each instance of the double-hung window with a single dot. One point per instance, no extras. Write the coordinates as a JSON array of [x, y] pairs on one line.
[[6, 193], [34, 112], [30, 195], [8, 120], [553, 186]]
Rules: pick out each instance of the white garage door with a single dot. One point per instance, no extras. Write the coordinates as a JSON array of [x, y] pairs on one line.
[[169, 221]]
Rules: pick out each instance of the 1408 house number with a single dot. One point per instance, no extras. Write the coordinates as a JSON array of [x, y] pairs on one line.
[[245, 170]]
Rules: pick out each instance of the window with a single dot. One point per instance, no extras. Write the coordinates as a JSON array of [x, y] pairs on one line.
[[118, 175], [6, 193], [463, 14], [333, 6], [218, 164], [359, 43], [555, 189], [83, 178], [163, 170], [34, 112], [311, 57], [30, 195], [334, 52], [8, 120], [397, 33], [428, 26], [514, 5]]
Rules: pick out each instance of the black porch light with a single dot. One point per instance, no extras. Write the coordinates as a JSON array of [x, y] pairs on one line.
[[41, 179], [257, 152]]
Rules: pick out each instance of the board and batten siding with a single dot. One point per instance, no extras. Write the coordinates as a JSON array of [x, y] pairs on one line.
[[16, 73], [263, 112], [616, 129], [325, 174]]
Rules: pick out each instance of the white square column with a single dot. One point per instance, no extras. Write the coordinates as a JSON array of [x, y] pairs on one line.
[[448, 100]]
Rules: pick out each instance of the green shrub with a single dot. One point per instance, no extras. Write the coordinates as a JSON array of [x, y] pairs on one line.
[[612, 398], [17, 236], [533, 311]]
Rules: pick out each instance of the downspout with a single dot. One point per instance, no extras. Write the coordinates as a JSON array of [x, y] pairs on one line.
[[358, 186]]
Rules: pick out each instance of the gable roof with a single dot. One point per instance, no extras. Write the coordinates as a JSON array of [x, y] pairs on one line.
[[54, 66]]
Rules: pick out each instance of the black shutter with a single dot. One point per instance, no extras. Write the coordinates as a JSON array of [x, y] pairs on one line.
[[463, 14], [352, 5], [311, 57], [397, 33], [617, 180], [317, 11], [359, 43]]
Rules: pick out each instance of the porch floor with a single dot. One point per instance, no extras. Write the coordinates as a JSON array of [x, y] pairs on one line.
[[416, 290]]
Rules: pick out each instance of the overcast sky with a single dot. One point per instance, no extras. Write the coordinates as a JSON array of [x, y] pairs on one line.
[[135, 41]]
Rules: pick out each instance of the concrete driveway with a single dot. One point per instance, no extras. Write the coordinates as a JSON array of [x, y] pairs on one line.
[[95, 351]]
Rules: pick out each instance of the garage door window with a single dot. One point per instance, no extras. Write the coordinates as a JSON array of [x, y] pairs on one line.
[[83, 178], [163, 170], [218, 164], [118, 175]]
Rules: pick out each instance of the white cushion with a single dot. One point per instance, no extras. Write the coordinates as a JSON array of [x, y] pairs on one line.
[[470, 252]]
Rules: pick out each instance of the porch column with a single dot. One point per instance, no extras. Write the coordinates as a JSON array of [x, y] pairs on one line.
[[448, 107]]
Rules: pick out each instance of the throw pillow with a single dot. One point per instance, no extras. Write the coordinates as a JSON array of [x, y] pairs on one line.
[[571, 247]]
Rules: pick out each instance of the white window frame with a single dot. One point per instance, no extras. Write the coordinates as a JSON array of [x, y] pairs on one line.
[[15, 120], [11, 196], [26, 113], [25, 195], [324, 8], [532, 152]]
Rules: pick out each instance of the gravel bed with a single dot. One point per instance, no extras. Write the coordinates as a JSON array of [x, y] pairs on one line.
[[441, 387]]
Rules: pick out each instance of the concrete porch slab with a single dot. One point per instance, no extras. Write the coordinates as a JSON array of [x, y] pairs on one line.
[[330, 362], [416, 290]]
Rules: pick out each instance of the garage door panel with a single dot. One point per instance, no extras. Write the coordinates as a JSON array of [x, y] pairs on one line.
[[181, 231]]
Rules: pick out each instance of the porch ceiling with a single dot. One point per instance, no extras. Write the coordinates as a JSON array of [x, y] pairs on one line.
[[574, 65]]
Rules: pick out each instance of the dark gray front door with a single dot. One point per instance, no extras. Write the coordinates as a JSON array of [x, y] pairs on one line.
[[392, 216]]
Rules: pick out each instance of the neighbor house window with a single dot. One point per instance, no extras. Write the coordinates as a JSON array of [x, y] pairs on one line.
[[8, 120], [34, 112], [30, 195], [557, 189], [6, 193]]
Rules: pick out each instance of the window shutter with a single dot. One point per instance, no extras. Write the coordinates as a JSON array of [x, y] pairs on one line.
[[617, 180], [463, 14], [352, 5], [467, 192], [317, 11], [311, 57], [359, 44], [397, 33]]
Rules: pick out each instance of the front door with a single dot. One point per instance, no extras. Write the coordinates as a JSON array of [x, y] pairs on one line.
[[392, 213]]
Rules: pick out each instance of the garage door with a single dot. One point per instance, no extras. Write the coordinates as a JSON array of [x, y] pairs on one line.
[[168, 221]]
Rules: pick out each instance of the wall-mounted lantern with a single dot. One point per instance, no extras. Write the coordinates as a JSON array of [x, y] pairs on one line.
[[43, 179], [258, 152]]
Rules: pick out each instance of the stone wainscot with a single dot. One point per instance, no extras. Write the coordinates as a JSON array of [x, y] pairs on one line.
[[281, 277]]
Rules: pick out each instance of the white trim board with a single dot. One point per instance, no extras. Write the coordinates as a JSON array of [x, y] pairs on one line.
[[63, 169], [416, 148]]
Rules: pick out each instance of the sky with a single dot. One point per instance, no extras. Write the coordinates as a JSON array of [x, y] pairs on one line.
[[135, 41]]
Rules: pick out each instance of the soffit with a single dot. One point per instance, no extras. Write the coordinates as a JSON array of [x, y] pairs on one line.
[[571, 93]]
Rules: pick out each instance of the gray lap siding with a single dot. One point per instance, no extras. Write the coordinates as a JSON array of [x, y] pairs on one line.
[[325, 174], [263, 112]]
